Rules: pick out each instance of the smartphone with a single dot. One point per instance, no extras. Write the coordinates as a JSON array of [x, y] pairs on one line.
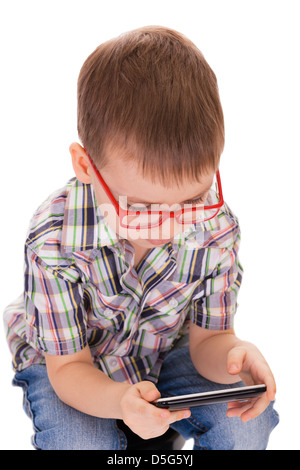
[[181, 402]]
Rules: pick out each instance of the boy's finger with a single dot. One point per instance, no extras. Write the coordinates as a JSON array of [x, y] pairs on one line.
[[235, 360], [250, 410], [237, 411], [179, 415], [170, 416], [259, 406], [238, 404], [151, 395], [148, 391], [271, 386]]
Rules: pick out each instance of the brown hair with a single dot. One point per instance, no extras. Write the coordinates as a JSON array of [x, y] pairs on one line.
[[151, 93]]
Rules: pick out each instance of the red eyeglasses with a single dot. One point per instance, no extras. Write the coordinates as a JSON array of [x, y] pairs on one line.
[[138, 216]]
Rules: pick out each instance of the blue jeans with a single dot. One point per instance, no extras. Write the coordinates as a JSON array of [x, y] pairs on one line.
[[60, 427]]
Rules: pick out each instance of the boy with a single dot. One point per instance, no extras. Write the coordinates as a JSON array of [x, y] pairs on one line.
[[131, 269]]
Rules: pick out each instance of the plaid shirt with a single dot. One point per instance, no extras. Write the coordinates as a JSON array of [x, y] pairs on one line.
[[81, 287]]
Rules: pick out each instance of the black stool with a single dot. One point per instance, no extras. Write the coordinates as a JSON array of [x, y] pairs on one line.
[[171, 440]]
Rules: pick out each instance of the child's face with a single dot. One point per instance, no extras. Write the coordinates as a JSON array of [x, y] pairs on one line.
[[125, 179]]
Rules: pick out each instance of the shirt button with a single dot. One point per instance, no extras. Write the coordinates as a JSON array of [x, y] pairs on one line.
[[113, 362], [173, 303]]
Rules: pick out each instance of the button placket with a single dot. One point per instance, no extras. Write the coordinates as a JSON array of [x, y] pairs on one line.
[[173, 303], [112, 362], [107, 311]]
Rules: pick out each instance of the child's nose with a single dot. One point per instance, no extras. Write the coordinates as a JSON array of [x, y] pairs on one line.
[[168, 229]]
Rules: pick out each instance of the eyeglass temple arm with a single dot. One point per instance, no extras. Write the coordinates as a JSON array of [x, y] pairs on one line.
[[104, 185]]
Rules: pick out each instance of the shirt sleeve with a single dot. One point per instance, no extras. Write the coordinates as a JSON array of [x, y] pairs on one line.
[[214, 302], [55, 316]]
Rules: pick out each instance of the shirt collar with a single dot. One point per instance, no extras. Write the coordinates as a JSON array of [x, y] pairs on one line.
[[84, 227]]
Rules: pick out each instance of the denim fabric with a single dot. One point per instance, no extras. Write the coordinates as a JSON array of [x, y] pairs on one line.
[[60, 427]]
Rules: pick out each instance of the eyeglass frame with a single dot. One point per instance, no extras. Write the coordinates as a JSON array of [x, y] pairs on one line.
[[164, 214]]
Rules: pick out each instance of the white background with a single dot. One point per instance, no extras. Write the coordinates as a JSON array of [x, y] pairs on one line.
[[253, 47]]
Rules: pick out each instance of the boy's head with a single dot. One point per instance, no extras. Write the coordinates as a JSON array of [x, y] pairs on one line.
[[148, 101]]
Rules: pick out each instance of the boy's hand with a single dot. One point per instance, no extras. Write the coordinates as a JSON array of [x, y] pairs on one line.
[[248, 362], [141, 416]]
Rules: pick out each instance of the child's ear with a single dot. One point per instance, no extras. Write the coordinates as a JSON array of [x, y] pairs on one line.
[[80, 163]]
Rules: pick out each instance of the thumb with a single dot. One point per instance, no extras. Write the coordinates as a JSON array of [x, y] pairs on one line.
[[235, 360], [148, 391]]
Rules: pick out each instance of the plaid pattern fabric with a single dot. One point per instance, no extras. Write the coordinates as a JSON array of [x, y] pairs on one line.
[[81, 288]]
